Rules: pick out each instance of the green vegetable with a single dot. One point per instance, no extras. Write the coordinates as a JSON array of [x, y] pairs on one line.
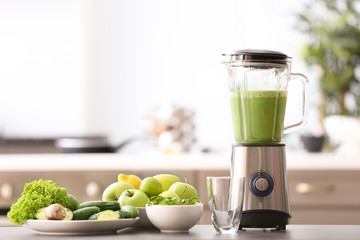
[[128, 212], [85, 213], [103, 205], [105, 215], [73, 203], [36, 195], [159, 200], [40, 214], [69, 214]]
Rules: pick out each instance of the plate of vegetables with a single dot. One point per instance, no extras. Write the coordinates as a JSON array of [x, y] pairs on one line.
[[92, 217], [49, 209]]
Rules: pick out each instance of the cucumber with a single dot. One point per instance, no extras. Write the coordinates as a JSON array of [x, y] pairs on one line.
[[40, 214], [121, 214], [128, 212], [103, 205], [72, 203], [85, 213], [105, 215], [95, 216]]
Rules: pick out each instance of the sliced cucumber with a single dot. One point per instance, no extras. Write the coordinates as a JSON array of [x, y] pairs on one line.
[[85, 213], [103, 205], [105, 215], [40, 214]]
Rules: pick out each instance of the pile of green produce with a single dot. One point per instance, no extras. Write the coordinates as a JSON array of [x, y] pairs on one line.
[[102, 210], [163, 189], [44, 200], [159, 200], [36, 195]]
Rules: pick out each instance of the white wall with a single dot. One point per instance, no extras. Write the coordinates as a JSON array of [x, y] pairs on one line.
[[46, 63], [156, 50], [80, 67]]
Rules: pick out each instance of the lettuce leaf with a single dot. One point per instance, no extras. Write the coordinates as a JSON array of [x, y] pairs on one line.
[[36, 195], [160, 200]]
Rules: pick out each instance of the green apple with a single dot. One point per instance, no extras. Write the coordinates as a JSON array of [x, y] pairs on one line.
[[151, 186], [169, 194], [133, 197], [167, 180], [183, 190], [114, 190], [128, 212]]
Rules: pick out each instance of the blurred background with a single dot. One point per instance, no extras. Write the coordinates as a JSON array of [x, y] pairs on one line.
[[146, 76], [120, 69]]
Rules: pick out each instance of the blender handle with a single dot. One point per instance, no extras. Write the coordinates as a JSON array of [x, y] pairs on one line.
[[305, 106]]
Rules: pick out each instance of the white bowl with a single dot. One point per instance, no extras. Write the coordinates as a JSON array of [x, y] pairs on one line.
[[174, 218], [144, 222]]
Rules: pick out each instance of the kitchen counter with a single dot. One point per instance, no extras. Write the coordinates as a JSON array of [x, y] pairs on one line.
[[159, 161], [294, 232], [330, 179]]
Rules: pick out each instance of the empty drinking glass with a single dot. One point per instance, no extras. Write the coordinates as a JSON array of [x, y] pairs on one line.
[[225, 195]]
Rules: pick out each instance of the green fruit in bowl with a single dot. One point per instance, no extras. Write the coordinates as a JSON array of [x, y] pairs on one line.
[[151, 186], [167, 180], [114, 190], [169, 194], [183, 190], [128, 212], [133, 197]]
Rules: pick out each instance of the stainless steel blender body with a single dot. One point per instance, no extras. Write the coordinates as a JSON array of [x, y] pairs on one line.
[[266, 198]]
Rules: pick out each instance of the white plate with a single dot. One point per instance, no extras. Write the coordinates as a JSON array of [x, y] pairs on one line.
[[79, 227]]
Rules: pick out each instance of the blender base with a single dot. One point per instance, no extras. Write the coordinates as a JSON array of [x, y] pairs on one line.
[[264, 219]]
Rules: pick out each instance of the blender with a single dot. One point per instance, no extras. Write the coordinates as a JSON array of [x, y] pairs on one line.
[[258, 83]]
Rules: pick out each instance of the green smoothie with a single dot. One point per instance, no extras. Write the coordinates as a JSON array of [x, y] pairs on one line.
[[258, 116]]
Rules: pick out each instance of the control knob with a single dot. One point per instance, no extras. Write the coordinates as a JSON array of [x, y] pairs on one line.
[[261, 184]]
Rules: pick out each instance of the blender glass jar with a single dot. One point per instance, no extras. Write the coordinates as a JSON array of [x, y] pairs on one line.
[[258, 81]]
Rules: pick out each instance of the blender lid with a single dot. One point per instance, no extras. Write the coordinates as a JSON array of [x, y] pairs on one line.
[[259, 55]]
